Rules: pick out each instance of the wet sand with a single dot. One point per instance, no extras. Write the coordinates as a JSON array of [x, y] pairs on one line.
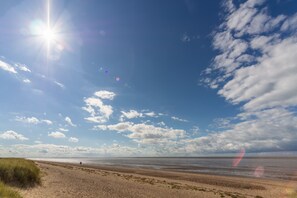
[[70, 181]]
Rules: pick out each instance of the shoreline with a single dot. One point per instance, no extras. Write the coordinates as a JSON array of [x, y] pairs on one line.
[[70, 180], [249, 167], [139, 169]]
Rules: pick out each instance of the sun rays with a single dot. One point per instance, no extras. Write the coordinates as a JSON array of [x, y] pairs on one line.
[[48, 34]]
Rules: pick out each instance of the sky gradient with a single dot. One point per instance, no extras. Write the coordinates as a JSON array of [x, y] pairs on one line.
[[147, 78]]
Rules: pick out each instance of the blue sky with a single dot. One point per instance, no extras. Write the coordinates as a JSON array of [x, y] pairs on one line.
[[147, 78]]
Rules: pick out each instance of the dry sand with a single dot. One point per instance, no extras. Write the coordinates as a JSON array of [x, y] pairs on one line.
[[75, 181]]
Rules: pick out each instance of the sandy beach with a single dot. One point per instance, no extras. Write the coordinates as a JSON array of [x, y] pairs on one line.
[[69, 180]]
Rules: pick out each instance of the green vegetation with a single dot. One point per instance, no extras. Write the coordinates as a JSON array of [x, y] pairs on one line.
[[17, 172], [6, 192]]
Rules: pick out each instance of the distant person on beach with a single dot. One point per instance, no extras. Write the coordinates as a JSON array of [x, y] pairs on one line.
[[80, 163]]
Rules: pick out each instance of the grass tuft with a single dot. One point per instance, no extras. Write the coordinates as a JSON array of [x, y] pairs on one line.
[[7, 192], [19, 172]]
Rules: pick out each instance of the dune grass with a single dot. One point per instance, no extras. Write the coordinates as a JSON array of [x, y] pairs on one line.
[[19, 172], [7, 192]]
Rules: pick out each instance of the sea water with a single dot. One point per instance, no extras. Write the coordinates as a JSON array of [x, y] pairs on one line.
[[265, 167]]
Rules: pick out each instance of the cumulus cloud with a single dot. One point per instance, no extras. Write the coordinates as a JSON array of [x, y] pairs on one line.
[[54, 150], [108, 95], [256, 68], [69, 121], [99, 112], [251, 43], [57, 134], [33, 120], [63, 129], [131, 114], [73, 139], [145, 133], [7, 67], [12, 135], [269, 130]]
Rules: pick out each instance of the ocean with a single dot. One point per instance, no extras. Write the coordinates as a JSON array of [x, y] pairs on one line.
[[265, 167]]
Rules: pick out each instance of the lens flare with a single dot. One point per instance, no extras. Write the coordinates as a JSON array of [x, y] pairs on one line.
[[259, 171], [239, 157]]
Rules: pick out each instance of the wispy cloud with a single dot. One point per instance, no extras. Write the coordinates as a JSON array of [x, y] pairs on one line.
[[256, 67], [7, 67], [27, 80], [33, 120], [185, 38], [12, 135], [59, 84], [131, 114], [73, 140], [63, 129], [22, 67], [178, 119], [69, 121]]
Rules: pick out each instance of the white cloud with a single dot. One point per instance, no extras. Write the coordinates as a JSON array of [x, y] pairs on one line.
[[29, 120], [22, 67], [7, 67], [151, 114], [38, 142], [27, 80], [12, 135], [59, 84], [63, 129], [48, 122], [145, 133], [69, 121], [96, 119], [131, 114], [33, 120], [268, 130], [105, 94], [57, 134], [54, 150], [73, 139], [274, 52], [256, 68], [258, 60], [101, 127], [179, 119], [136, 114], [99, 112]]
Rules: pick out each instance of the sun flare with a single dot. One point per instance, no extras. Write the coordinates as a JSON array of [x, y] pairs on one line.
[[49, 35]]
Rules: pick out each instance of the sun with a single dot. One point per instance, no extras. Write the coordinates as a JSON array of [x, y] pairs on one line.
[[49, 35]]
